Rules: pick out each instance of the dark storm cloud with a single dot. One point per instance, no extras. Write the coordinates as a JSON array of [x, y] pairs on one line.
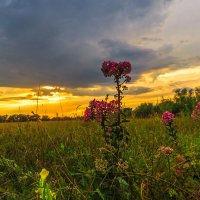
[[132, 90], [61, 42], [142, 59]]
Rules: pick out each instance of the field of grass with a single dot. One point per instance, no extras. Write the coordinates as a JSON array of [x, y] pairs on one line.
[[70, 150]]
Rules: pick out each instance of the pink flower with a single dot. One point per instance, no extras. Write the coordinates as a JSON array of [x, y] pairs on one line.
[[124, 67], [127, 78], [88, 114], [99, 109], [196, 112], [167, 117], [117, 69]]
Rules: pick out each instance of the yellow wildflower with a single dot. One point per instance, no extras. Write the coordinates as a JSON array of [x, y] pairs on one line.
[[43, 174]]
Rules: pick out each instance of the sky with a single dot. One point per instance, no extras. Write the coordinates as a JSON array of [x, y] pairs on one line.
[[51, 51]]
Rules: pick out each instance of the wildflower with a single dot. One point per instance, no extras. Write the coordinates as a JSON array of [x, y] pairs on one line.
[[127, 78], [110, 68], [88, 114], [43, 174], [167, 118], [43, 189], [196, 112], [100, 109], [165, 150]]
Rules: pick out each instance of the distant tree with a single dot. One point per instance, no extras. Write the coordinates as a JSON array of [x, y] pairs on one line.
[[45, 118], [197, 94], [166, 104], [3, 118], [34, 117], [191, 92], [144, 110], [127, 112], [182, 103], [22, 118]]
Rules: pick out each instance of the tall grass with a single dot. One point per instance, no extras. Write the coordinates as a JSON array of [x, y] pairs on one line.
[[69, 149]]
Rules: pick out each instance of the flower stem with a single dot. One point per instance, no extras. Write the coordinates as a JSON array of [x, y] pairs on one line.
[[118, 102]]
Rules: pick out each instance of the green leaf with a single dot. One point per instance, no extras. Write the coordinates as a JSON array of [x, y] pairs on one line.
[[62, 147], [123, 184], [172, 192], [99, 193]]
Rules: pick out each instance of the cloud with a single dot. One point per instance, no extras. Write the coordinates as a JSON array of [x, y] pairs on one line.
[[5, 3], [142, 59], [51, 42], [17, 98], [102, 91], [139, 90], [50, 91], [152, 39]]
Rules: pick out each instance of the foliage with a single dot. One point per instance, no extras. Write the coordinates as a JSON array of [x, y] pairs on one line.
[[31, 118], [145, 110], [104, 159], [111, 165], [43, 189], [71, 150], [183, 103], [20, 180]]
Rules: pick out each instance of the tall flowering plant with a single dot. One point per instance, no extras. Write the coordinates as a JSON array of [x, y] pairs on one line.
[[120, 71], [110, 114], [168, 120], [196, 112]]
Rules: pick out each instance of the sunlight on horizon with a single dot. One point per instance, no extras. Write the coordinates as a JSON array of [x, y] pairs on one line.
[[55, 99]]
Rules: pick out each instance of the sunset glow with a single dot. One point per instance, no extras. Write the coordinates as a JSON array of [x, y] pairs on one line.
[[51, 54], [54, 99]]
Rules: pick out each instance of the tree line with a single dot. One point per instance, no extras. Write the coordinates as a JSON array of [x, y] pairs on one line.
[[31, 118], [182, 103]]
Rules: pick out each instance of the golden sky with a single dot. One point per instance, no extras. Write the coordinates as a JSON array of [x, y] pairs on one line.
[[53, 99], [51, 51]]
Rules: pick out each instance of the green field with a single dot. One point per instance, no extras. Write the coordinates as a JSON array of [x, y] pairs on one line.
[[68, 150]]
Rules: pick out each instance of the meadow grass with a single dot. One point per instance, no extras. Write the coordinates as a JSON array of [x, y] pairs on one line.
[[68, 151]]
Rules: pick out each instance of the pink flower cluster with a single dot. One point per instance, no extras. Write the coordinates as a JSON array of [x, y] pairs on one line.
[[116, 69], [196, 112], [99, 109], [167, 117]]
